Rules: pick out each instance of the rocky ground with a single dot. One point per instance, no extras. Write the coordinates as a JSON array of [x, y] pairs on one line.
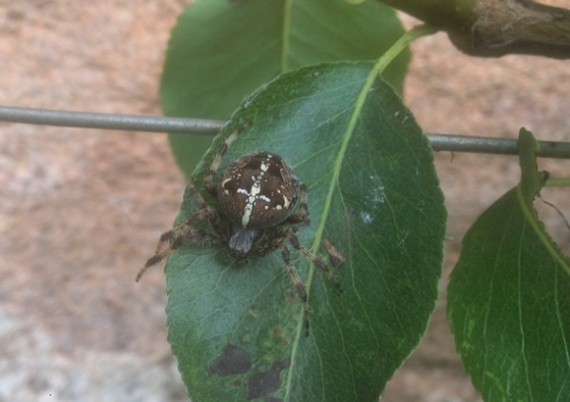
[[80, 210]]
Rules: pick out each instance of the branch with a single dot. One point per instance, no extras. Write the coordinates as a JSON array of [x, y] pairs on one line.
[[177, 125], [493, 28]]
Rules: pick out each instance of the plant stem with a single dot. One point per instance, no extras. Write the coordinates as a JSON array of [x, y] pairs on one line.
[[558, 182], [445, 14], [159, 124], [494, 28], [401, 44]]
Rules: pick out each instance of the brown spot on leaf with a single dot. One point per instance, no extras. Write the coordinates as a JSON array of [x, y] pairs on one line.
[[266, 382], [234, 360]]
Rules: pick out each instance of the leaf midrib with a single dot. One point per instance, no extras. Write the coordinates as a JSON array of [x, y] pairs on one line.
[[375, 72]]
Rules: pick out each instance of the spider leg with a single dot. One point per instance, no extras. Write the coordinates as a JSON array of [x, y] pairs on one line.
[[336, 258], [209, 180], [301, 291], [301, 217], [179, 233], [185, 228], [215, 220], [155, 259], [193, 192], [171, 240], [315, 259], [197, 235]]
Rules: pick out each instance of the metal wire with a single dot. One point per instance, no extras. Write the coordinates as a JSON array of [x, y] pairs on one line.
[[502, 146], [106, 121], [439, 142]]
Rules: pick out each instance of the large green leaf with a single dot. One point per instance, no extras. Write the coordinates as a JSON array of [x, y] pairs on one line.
[[237, 331], [509, 298], [220, 51]]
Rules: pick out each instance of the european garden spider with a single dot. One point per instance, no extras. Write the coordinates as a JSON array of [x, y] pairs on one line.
[[261, 205]]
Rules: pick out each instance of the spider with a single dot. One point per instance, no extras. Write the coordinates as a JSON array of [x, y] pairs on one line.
[[260, 206]]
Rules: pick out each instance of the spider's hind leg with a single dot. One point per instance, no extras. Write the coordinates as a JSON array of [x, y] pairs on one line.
[[315, 259], [301, 291]]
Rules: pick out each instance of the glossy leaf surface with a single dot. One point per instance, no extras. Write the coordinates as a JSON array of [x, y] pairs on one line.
[[220, 51], [237, 331], [509, 298]]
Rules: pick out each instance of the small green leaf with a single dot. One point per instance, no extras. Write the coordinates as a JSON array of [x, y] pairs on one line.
[[509, 298], [220, 51], [531, 179], [237, 331]]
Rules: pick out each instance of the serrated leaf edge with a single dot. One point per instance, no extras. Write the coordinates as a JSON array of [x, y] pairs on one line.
[[532, 218], [530, 185]]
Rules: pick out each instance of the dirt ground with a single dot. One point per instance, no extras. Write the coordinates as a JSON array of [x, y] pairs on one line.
[[81, 210]]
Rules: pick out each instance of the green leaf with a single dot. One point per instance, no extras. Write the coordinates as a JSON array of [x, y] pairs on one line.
[[509, 298], [237, 331], [220, 51], [532, 180]]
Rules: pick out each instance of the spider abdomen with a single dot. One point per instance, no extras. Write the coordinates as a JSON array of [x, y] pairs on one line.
[[258, 191]]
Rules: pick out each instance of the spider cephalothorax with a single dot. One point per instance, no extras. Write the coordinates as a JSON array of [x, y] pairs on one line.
[[260, 206]]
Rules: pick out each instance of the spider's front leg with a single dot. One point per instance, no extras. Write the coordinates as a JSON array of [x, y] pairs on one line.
[[171, 240], [209, 179]]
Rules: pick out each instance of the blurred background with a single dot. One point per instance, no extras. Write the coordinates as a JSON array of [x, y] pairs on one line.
[[81, 210]]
